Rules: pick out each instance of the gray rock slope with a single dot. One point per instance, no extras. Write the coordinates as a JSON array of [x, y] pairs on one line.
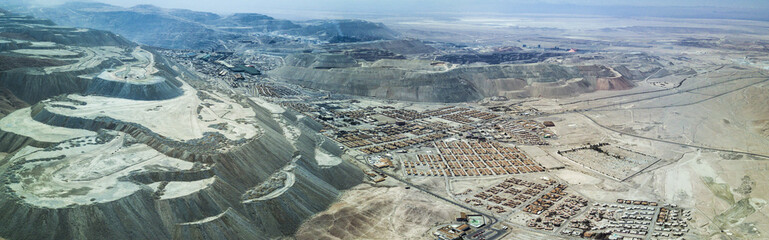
[[424, 81], [185, 29], [217, 211], [202, 214]]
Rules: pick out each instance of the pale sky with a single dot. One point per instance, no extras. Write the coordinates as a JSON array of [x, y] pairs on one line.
[[418, 6]]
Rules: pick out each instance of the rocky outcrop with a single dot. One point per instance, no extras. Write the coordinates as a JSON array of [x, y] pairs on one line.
[[177, 176]]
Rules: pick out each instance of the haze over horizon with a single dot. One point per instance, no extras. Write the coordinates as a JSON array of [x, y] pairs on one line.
[[298, 9]]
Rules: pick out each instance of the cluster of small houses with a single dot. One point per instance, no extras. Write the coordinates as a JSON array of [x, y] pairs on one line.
[[444, 111], [514, 196], [356, 139], [460, 114], [299, 106], [403, 143], [404, 114], [672, 222], [515, 109], [547, 200], [460, 158], [385, 137], [389, 137], [451, 113], [631, 219], [551, 215], [523, 131], [466, 115], [389, 133]]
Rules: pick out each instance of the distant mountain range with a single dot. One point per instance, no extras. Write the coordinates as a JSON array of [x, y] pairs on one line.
[[186, 29]]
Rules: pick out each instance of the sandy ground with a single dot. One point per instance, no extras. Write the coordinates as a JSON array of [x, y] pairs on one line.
[[367, 212], [543, 158], [707, 182], [724, 116]]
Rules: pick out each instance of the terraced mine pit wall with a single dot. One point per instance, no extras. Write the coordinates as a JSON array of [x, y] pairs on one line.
[[71, 53], [234, 165], [78, 168], [429, 81], [231, 172]]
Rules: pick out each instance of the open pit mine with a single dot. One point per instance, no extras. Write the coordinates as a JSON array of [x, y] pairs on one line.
[[152, 123], [121, 143]]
